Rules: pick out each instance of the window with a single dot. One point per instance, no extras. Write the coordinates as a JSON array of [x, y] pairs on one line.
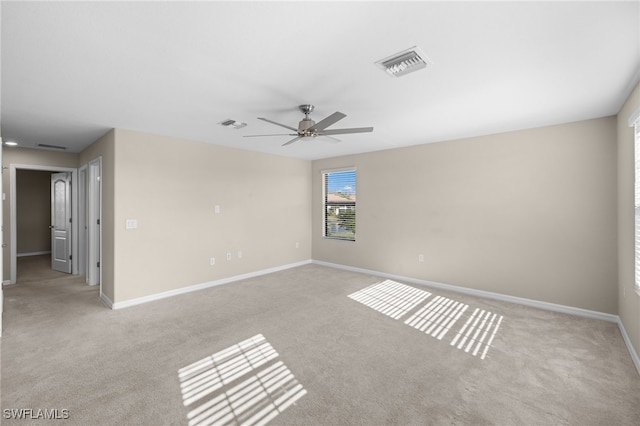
[[340, 204]]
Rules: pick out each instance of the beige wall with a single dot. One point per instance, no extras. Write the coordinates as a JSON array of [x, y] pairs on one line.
[[530, 214], [628, 300], [33, 211], [104, 148], [25, 156], [171, 186]]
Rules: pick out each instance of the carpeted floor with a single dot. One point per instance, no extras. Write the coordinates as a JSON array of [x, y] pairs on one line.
[[305, 346]]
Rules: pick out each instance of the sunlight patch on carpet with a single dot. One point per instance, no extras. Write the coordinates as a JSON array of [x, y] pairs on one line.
[[477, 334], [390, 298], [437, 317], [243, 384]]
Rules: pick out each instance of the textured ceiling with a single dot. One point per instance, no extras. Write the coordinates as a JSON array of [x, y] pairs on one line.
[[73, 70]]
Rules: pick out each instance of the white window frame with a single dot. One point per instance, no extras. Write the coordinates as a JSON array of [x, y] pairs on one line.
[[634, 121], [325, 173]]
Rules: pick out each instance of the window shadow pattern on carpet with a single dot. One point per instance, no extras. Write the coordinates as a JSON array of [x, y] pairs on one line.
[[440, 315], [245, 384]]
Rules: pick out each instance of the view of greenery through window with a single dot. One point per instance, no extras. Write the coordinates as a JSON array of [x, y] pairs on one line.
[[340, 204]]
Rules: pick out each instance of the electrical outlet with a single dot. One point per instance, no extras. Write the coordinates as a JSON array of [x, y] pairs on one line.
[[239, 254], [421, 258], [217, 209], [228, 256], [297, 245], [212, 261]]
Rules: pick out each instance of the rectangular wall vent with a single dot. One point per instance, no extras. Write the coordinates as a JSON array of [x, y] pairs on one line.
[[44, 145], [232, 123]]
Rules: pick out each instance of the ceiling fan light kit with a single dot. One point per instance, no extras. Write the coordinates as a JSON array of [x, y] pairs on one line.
[[307, 128]]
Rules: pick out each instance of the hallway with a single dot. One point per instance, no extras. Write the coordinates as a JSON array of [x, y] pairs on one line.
[[40, 290]]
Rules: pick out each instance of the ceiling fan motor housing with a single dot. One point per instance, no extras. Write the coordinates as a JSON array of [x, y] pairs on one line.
[[305, 125]]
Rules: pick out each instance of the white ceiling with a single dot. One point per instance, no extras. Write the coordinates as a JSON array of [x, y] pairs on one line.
[[73, 70]]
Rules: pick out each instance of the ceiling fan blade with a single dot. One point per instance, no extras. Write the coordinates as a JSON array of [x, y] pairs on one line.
[[323, 124], [344, 131], [278, 124], [331, 139], [292, 141], [277, 134]]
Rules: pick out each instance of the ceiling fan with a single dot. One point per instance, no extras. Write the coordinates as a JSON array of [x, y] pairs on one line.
[[307, 128]]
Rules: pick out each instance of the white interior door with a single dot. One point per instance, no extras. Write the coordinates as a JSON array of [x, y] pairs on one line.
[[61, 222]]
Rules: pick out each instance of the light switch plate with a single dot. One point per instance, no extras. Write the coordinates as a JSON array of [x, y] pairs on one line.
[[131, 223]]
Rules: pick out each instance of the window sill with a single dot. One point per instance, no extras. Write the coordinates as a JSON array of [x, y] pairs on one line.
[[339, 239]]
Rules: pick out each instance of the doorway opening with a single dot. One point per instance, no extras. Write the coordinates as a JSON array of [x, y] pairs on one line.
[[63, 242]]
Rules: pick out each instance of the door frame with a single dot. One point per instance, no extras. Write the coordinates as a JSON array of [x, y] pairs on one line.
[[82, 219], [13, 212], [1, 240], [94, 213]]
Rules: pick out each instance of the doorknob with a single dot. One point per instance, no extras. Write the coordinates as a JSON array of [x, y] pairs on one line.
[[50, 226]]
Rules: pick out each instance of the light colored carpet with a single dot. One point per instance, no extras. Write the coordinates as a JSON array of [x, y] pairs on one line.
[[339, 361]]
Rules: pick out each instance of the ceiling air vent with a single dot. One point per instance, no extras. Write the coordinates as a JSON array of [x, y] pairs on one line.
[[232, 123], [409, 60], [44, 145]]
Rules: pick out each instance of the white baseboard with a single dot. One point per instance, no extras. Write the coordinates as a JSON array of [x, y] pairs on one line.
[[196, 287], [481, 293], [470, 291], [627, 341], [497, 296], [473, 292], [106, 300], [33, 253]]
